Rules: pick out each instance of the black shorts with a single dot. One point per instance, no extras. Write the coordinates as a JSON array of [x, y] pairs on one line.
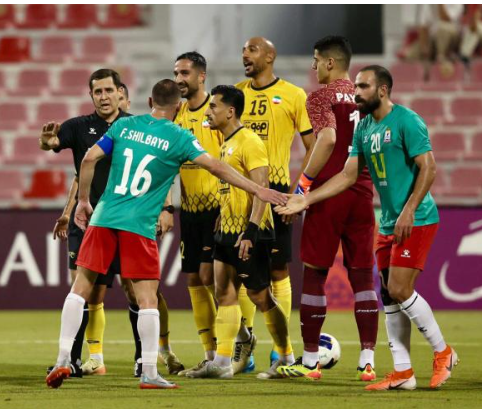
[[197, 240], [281, 248], [253, 273], [75, 240]]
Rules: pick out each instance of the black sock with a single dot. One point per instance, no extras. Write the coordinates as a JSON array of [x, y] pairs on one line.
[[133, 317], [76, 353]]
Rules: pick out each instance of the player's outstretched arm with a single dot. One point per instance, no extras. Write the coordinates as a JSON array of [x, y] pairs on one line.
[[48, 138], [337, 184], [227, 173], [87, 169], [62, 223], [425, 178]]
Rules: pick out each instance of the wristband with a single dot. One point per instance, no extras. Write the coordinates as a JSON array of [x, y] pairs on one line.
[[251, 233], [304, 184]]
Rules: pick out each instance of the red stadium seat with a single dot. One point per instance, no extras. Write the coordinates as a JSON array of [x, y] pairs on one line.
[[2, 80], [26, 151], [11, 184], [407, 76], [31, 82], [86, 108], [73, 82], [466, 111], [80, 16], [354, 70], [448, 145], [7, 16], [39, 16], [437, 76], [430, 109], [12, 115], [440, 184], [476, 71], [47, 184], [97, 49], [476, 151], [50, 112], [14, 49], [122, 15], [64, 157], [466, 181], [56, 49]]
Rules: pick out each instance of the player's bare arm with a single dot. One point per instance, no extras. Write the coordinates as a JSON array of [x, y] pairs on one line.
[[84, 209], [245, 243], [165, 222], [425, 178], [337, 184], [62, 223], [227, 173], [48, 138]]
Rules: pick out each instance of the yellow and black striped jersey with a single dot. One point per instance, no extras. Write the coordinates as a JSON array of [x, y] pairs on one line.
[[243, 151], [275, 113], [199, 189]]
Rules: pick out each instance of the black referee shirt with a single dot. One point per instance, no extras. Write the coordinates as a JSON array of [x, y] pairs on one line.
[[80, 134]]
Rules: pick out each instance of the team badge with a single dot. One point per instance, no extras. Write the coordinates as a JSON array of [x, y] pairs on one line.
[[205, 123], [276, 100], [230, 151], [197, 145], [388, 136]]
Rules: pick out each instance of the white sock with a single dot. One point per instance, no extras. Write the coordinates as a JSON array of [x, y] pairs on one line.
[[310, 358], [148, 327], [99, 357], [222, 361], [398, 330], [70, 321], [367, 356], [243, 334], [287, 359], [210, 355], [418, 310]]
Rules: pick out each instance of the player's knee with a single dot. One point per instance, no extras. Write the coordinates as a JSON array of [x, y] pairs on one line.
[[398, 293], [279, 271], [386, 299], [262, 299], [361, 279], [193, 280]]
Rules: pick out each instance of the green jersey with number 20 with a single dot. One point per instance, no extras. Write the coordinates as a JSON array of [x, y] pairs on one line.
[[146, 156], [389, 148]]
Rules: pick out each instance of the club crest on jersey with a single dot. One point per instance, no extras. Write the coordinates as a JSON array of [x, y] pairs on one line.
[[365, 139], [92, 131], [197, 145], [205, 123], [276, 100], [230, 151], [387, 138]]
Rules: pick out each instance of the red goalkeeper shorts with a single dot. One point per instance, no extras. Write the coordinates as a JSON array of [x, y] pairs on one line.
[[139, 256]]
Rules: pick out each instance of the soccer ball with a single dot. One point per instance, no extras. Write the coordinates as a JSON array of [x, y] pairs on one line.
[[329, 351]]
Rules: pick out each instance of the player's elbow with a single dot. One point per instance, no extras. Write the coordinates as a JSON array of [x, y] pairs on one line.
[[214, 166]]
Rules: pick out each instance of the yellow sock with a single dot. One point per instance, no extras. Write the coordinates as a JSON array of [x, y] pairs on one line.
[[164, 322], [282, 292], [204, 310], [248, 309], [228, 321], [95, 328], [210, 288], [277, 325]]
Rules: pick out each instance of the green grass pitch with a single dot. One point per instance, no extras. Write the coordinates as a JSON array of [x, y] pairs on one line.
[[28, 344]]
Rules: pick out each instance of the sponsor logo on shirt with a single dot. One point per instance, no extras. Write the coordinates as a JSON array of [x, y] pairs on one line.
[[406, 253], [205, 124], [230, 151], [92, 131], [276, 100], [387, 138], [365, 139], [197, 145]]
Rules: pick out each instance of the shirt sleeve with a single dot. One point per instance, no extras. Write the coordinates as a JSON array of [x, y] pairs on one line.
[[66, 135], [320, 111], [415, 136], [191, 148], [254, 154], [356, 147], [303, 124]]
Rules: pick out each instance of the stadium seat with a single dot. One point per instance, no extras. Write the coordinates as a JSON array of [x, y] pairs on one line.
[[39, 16], [73, 82], [55, 49], [47, 184], [11, 184], [97, 49], [80, 16], [14, 49], [466, 181], [476, 151], [86, 108], [12, 115], [50, 112], [448, 145], [354, 70], [31, 83], [440, 184], [466, 111], [2, 80], [7, 16], [407, 77], [430, 109], [64, 157], [25, 151], [441, 83], [476, 72], [122, 16]]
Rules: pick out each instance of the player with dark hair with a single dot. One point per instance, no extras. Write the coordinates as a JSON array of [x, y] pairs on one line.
[[124, 101], [347, 217], [275, 110], [199, 201], [243, 239], [393, 142]]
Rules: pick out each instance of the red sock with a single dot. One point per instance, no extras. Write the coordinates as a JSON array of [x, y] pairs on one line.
[[366, 306], [313, 307]]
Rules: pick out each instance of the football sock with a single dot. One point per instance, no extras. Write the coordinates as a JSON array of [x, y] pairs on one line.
[[420, 313], [204, 311], [277, 324], [211, 290], [248, 309], [95, 330], [366, 306], [310, 358], [164, 323], [76, 354], [70, 321], [313, 307], [367, 356], [133, 317], [282, 293], [244, 334], [148, 327], [228, 321], [398, 330]]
